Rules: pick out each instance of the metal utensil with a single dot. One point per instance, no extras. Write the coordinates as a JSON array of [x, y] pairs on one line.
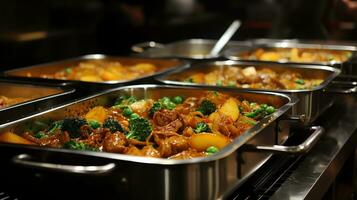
[[225, 37]]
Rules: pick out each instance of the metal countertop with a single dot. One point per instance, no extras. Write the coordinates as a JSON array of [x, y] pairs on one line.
[[318, 169]]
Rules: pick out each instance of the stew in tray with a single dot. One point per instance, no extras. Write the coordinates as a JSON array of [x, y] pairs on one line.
[[170, 127], [250, 77], [8, 101], [297, 55], [102, 70]]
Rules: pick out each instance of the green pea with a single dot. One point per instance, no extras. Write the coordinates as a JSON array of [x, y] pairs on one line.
[[300, 81], [212, 150], [177, 99]]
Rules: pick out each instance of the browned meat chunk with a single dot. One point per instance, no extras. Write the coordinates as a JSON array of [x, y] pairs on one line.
[[150, 151], [172, 145], [164, 117], [115, 142]]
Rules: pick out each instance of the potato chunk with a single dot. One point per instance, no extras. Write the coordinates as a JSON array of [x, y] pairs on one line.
[[230, 108], [14, 138], [202, 141], [98, 113]]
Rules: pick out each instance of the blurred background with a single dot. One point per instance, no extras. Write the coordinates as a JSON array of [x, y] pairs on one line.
[[37, 31]]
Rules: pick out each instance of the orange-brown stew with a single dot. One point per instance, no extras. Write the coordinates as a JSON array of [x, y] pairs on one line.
[[297, 55], [170, 127], [101, 70], [8, 101], [250, 77]]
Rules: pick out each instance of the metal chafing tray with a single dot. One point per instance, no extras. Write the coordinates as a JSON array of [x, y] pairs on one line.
[[122, 175], [235, 53], [193, 49], [39, 97], [36, 71], [312, 102]]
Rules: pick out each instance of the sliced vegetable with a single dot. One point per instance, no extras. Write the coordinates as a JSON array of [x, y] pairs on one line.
[[98, 113], [230, 108], [204, 140], [14, 138]]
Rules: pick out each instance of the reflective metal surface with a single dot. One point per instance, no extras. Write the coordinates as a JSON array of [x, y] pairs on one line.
[[25, 160], [304, 147], [233, 53], [186, 49], [319, 168], [40, 97], [199, 178]]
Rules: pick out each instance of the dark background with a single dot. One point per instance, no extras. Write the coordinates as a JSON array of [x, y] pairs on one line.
[[37, 31]]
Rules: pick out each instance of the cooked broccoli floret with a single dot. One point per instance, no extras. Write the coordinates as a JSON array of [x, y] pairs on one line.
[[57, 125], [207, 107], [39, 135], [140, 129], [113, 125], [93, 123], [155, 107], [166, 103], [127, 111], [202, 127], [78, 146], [72, 126]]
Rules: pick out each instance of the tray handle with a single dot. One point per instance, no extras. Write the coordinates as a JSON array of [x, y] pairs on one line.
[[298, 149], [25, 160], [344, 84], [141, 47]]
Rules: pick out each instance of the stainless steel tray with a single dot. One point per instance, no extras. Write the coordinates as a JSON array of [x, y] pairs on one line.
[[234, 53], [195, 49], [199, 178], [36, 71], [312, 102], [41, 96]]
